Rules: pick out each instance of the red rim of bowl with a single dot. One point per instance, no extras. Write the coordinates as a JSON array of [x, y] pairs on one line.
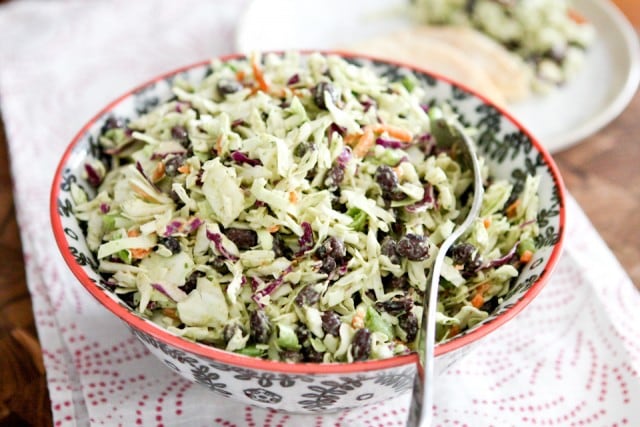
[[301, 368]]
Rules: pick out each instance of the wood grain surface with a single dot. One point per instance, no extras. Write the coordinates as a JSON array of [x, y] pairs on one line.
[[602, 173]]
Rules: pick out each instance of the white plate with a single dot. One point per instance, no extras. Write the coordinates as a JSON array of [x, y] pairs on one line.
[[592, 99]]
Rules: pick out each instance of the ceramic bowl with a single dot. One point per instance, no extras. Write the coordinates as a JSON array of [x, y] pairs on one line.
[[512, 153]]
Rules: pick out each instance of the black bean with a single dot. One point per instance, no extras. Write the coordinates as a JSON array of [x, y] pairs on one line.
[[242, 237], [361, 345], [171, 243], [260, 326], [307, 296], [386, 179], [172, 164], [331, 323], [396, 305], [413, 247], [191, 282], [334, 176], [228, 86], [409, 324], [318, 94]]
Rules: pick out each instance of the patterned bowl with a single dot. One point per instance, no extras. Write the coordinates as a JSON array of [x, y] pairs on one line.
[[511, 152]]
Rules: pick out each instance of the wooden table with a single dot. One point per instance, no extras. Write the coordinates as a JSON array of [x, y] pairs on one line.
[[602, 173]]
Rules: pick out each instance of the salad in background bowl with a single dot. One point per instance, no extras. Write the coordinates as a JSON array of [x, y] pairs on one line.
[[264, 225]]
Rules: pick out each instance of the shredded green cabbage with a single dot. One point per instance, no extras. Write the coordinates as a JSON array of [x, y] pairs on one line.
[[267, 222]]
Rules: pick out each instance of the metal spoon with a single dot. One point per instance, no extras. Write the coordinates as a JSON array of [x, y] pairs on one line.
[[447, 135]]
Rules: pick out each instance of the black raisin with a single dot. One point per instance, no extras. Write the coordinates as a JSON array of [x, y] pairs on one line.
[[179, 133], [303, 148], [334, 176], [230, 330], [311, 355], [409, 324], [291, 356], [280, 248], [328, 266], [331, 323], [171, 243], [393, 283], [413, 247], [242, 237], [332, 247], [228, 86], [386, 179], [319, 91], [112, 123], [396, 305], [260, 326], [172, 164], [361, 345], [191, 282], [388, 248], [465, 254], [307, 296]]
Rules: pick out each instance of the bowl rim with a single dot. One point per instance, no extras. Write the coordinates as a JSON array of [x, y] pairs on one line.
[[220, 355]]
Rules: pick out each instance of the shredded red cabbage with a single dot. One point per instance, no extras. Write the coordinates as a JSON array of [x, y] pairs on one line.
[[238, 122], [391, 143], [305, 241], [158, 287], [502, 260], [173, 227], [241, 158], [104, 208], [428, 201], [293, 80], [335, 128], [271, 286], [216, 238], [93, 176], [344, 157]]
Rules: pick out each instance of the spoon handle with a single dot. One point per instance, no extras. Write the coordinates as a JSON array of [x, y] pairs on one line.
[[421, 409]]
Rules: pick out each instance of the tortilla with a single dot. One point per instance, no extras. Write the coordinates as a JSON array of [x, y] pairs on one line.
[[461, 54]]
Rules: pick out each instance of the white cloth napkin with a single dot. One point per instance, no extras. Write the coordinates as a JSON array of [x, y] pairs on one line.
[[571, 358]]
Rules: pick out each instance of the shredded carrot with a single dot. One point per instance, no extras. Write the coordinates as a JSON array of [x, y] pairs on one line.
[[140, 192], [219, 145], [511, 209], [170, 312], [365, 143], [477, 300], [274, 228], [576, 17], [487, 222], [185, 169], [293, 196], [526, 256], [393, 131], [454, 330], [137, 253], [240, 75], [158, 172], [258, 75], [352, 139]]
